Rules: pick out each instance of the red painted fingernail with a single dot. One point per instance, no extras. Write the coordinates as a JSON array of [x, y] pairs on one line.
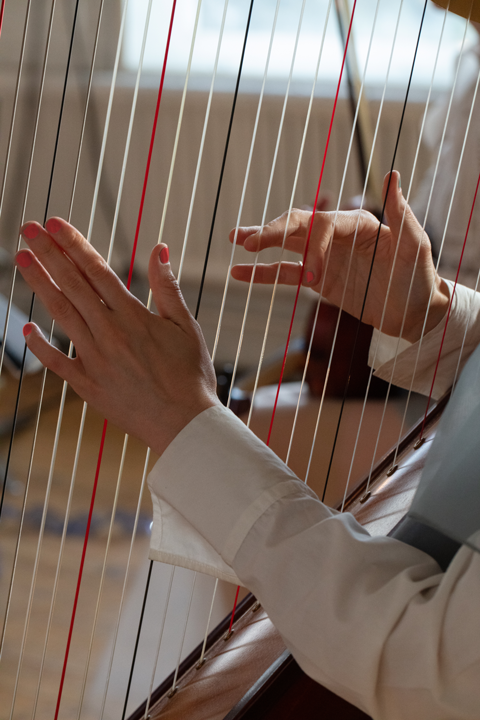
[[23, 258], [30, 231], [52, 226], [310, 276], [164, 255], [27, 329]]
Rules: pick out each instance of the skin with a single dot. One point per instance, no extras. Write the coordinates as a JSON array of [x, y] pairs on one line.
[[151, 374], [340, 236]]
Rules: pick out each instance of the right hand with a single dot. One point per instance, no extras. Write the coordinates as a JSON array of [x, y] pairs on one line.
[[352, 240]]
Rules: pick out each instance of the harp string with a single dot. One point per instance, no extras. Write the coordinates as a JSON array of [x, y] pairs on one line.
[[58, 427], [450, 307], [160, 640], [415, 264], [2, 11], [179, 124], [142, 612], [174, 683], [251, 281], [366, 180], [14, 273], [294, 188], [14, 423], [252, 144], [224, 160], [74, 472], [107, 118], [207, 253], [467, 327], [33, 583], [124, 587], [105, 425], [311, 223], [13, 117], [129, 132], [374, 251], [245, 184], [447, 221], [306, 249], [390, 281], [202, 145]]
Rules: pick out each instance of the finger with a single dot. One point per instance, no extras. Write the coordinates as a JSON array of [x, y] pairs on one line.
[[59, 306], [165, 288], [87, 260], [289, 274], [65, 274], [240, 234], [399, 215], [287, 231], [51, 358]]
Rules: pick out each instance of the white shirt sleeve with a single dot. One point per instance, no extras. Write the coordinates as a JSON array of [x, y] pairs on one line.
[[412, 366], [373, 619]]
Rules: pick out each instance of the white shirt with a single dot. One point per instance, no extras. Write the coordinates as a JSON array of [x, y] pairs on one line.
[[373, 619]]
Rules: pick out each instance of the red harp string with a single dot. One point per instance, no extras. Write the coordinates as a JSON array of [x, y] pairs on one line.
[[327, 143], [105, 424], [449, 308]]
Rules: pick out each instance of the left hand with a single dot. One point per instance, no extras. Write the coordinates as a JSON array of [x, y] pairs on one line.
[[149, 374]]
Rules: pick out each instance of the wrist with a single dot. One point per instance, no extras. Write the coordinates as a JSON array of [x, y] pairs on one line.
[[437, 310], [165, 429]]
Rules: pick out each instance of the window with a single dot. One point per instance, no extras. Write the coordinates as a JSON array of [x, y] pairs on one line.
[[310, 30]]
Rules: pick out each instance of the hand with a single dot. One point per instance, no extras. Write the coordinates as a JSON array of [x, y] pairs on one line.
[[342, 238], [149, 374]]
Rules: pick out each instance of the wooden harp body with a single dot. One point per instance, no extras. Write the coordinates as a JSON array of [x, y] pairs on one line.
[[76, 133]]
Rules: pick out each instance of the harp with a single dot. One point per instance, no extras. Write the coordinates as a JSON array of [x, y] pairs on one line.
[[88, 164]]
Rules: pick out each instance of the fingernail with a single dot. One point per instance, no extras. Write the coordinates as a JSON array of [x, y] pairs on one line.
[[23, 258], [52, 226], [310, 276], [30, 231], [399, 181], [27, 329], [164, 255]]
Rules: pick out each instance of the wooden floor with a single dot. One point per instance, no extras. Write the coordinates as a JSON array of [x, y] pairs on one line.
[[34, 649]]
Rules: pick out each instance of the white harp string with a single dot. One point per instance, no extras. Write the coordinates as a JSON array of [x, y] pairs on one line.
[[340, 196], [29, 174], [202, 145], [327, 260], [113, 646], [60, 416], [7, 164], [419, 143]]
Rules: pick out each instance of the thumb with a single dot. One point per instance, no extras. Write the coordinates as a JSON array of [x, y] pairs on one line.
[[165, 288], [400, 217]]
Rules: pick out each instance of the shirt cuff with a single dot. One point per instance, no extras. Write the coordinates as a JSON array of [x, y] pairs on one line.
[[209, 487], [412, 366]]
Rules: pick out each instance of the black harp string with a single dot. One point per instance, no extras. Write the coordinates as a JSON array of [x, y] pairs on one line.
[[32, 302], [224, 160], [41, 404], [352, 356], [362, 151], [199, 300]]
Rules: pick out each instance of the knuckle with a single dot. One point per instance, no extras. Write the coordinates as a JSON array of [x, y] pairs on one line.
[[60, 307], [97, 269], [70, 240], [72, 281]]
